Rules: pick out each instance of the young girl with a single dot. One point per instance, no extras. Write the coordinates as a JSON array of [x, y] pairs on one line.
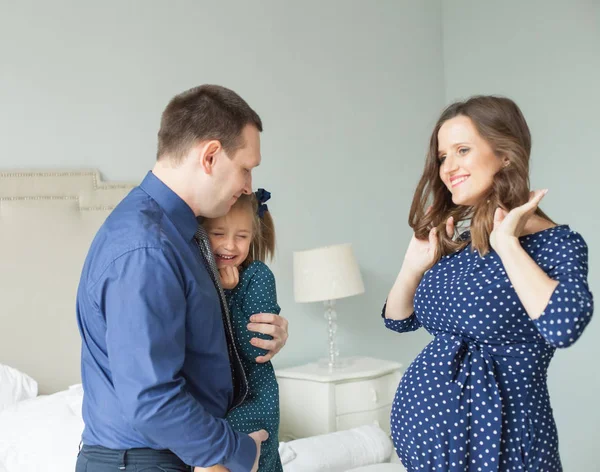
[[241, 241]]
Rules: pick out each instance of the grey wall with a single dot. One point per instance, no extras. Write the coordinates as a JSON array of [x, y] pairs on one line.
[[546, 56], [348, 92]]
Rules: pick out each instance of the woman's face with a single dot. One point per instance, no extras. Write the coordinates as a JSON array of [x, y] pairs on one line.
[[467, 162]]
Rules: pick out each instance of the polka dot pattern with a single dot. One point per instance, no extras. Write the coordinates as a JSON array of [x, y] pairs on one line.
[[476, 398], [256, 293]]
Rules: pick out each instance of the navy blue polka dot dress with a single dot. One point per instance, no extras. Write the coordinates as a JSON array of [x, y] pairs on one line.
[[256, 293], [476, 398]]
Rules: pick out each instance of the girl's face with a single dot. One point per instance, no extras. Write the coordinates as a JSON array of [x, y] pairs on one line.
[[230, 237]]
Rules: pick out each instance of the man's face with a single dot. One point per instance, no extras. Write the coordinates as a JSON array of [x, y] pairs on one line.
[[233, 174]]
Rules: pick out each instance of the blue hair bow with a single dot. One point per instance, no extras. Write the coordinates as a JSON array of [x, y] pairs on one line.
[[262, 196]]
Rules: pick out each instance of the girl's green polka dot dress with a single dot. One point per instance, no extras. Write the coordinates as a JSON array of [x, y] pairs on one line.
[[256, 293]]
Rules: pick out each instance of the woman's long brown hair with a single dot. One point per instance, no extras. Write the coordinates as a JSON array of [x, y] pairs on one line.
[[500, 122]]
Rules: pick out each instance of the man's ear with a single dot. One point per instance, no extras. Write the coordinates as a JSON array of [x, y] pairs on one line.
[[208, 154]]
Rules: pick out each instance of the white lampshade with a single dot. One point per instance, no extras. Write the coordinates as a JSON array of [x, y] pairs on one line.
[[326, 273]]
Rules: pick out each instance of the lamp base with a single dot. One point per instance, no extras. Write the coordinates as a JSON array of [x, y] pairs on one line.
[[341, 363]]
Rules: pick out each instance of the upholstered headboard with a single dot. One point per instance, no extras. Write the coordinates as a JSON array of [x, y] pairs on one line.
[[47, 222]]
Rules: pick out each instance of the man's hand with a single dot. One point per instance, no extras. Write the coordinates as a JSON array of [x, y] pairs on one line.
[[214, 468], [259, 437], [275, 326]]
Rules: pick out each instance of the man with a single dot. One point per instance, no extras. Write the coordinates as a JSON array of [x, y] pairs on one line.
[[159, 367]]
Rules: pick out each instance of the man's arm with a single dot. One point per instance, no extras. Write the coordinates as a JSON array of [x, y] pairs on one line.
[[143, 296]]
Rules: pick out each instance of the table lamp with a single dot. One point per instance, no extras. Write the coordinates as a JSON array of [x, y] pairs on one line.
[[325, 275]]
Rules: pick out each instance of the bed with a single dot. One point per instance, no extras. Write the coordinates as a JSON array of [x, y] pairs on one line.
[[47, 221]]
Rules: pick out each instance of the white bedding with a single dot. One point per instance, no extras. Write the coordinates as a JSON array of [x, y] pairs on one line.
[[43, 433], [15, 386], [44, 427]]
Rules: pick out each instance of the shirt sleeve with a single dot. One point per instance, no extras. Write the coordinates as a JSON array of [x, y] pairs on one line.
[[411, 323], [143, 296], [260, 297], [571, 305]]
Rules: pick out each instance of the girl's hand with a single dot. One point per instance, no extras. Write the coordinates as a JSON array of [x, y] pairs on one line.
[[230, 277]]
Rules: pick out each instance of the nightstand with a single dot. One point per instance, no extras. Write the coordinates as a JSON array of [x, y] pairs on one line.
[[315, 401]]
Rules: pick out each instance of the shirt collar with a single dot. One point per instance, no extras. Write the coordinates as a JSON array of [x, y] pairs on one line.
[[175, 208]]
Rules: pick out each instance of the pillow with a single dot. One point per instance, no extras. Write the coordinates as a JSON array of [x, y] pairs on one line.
[[339, 451], [15, 386]]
